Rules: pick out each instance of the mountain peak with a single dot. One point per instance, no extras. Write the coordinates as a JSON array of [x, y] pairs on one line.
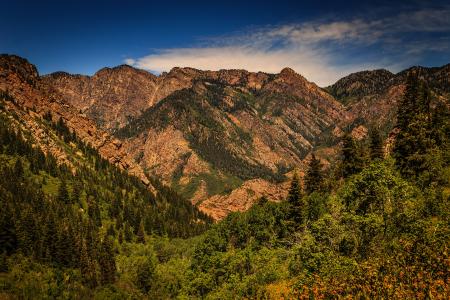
[[19, 65], [288, 71]]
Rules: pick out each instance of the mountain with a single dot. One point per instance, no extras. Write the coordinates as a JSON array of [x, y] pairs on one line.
[[223, 138], [83, 216], [31, 97], [371, 97], [113, 95], [55, 139], [215, 132]]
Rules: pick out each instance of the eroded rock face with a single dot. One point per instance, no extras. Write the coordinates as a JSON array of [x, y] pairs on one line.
[[222, 138], [33, 98], [242, 198], [232, 126]]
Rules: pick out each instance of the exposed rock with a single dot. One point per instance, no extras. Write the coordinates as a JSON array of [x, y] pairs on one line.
[[34, 98], [228, 136], [243, 198]]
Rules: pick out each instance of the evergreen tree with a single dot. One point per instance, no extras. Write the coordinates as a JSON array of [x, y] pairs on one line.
[[63, 194], [414, 138], [119, 222], [87, 267], [120, 238], [128, 235], [94, 211], [141, 234], [50, 236], [111, 231], [440, 125], [107, 262], [352, 161], [76, 192], [8, 237], [18, 169], [294, 199], [376, 144], [145, 274], [314, 177], [64, 248]]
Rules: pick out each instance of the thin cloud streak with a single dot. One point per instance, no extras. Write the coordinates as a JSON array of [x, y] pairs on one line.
[[313, 49]]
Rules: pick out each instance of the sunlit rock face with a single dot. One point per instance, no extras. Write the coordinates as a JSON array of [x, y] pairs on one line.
[[221, 138]]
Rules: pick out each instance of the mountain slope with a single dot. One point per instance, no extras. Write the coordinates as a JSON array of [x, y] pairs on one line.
[[45, 128], [31, 97], [222, 138], [371, 97], [208, 133], [220, 132]]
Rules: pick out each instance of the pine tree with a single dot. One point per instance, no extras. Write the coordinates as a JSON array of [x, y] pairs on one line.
[[352, 161], [440, 125], [127, 233], [63, 194], [88, 267], [376, 144], [64, 248], [18, 169], [50, 234], [295, 201], [120, 238], [8, 237], [145, 274], [414, 138], [314, 177], [94, 211], [76, 192], [111, 231], [119, 222], [107, 262], [141, 234]]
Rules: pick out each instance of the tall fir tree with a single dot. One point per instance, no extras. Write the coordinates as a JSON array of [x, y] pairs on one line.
[[352, 161], [128, 235], [141, 234], [76, 191], [414, 139], [296, 207], [63, 194], [107, 262], [314, 177], [18, 169]]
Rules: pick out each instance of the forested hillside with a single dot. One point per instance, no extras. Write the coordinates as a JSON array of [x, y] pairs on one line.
[[62, 225], [373, 225]]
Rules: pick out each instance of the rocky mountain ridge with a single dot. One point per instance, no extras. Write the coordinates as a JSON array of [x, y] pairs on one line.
[[221, 138], [31, 99]]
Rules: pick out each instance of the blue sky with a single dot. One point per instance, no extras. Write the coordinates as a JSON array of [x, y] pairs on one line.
[[322, 40]]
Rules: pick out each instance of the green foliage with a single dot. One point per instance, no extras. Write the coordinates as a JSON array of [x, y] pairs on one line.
[[296, 203], [352, 161], [54, 217], [314, 177], [216, 183], [377, 189], [100, 234], [414, 138]]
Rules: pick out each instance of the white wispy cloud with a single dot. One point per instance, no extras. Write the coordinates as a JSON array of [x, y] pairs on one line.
[[322, 51]]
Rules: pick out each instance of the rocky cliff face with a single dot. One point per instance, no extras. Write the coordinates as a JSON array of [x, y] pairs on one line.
[[32, 98], [232, 136], [210, 134]]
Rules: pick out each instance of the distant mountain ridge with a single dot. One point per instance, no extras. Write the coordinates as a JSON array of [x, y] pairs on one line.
[[222, 138]]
